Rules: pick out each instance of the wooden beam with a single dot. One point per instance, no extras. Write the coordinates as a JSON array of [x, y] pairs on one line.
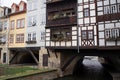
[[48, 52], [16, 53]]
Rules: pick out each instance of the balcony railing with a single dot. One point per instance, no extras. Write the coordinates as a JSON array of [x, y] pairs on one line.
[[2, 42], [62, 21]]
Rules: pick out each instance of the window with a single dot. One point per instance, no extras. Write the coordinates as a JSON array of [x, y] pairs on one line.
[[84, 35], [6, 11], [109, 9], [63, 34], [87, 35], [113, 9], [32, 5], [32, 21], [4, 38], [11, 38], [43, 19], [5, 25], [106, 10], [115, 33], [31, 36], [86, 12], [21, 7], [118, 7], [12, 25], [107, 34], [34, 37], [42, 36], [20, 38], [90, 34], [112, 33], [13, 9], [20, 23], [1, 25]]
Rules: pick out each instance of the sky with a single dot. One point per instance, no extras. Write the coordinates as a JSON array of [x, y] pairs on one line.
[[8, 3]]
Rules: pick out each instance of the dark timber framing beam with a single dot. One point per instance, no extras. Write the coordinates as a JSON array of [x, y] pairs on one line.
[[48, 52], [16, 53]]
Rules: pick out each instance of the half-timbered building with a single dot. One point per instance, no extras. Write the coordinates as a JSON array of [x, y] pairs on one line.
[[61, 24], [108, 23], [87, 23], [87, 27], [108, 20]]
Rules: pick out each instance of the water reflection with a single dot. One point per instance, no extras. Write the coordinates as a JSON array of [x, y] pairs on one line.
[[91, 69]]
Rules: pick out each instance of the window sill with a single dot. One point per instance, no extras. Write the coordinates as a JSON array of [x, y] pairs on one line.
[[60, 40], [32, 10], [2, 42], [32, 26], [20, 28], [19, 42], [31, 42]]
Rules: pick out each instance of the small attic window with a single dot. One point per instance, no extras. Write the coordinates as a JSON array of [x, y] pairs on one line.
[[13, 9], [21, 7]]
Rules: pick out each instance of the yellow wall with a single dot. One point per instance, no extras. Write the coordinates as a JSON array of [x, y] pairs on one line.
[[17, 31]]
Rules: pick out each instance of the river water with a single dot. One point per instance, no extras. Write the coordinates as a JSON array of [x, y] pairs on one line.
[[90, 69]]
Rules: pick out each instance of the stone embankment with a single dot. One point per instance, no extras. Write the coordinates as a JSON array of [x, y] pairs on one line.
[[47, 75]]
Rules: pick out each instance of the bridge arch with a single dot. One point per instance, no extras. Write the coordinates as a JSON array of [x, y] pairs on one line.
[[70, 63], [23, 57], [27, 59]]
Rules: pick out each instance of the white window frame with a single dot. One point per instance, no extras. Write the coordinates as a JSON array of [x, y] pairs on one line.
[[31, 36], [32, 5], [86, 12], [5, 25], [112, 33], [42, 36]]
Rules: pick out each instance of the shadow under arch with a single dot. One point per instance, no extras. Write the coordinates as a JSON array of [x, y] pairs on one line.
[[28, 59]]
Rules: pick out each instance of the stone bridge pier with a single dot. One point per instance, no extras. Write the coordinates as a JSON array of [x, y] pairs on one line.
[[65, 61]]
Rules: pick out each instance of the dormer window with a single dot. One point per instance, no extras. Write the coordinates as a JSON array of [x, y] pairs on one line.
[[13, 9], [21, 7]]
